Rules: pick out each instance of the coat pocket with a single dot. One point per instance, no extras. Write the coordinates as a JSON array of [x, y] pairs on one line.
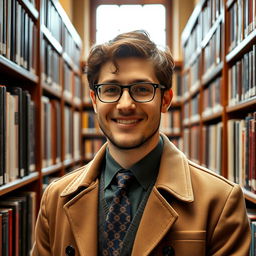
[[182, 243]]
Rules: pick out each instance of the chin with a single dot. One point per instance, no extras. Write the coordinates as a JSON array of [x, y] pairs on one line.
[[126, 143]]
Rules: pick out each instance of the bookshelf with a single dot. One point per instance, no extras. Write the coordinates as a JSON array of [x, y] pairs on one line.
[[41, 106], [219, 90]]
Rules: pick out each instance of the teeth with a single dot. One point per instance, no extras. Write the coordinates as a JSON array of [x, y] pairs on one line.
[[127, 121]]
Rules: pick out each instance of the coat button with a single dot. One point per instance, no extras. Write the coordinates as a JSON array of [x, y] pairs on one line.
[[70, 251], [168, 251]]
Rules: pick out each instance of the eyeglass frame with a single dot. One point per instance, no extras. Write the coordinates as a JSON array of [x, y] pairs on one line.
[[128, 86]]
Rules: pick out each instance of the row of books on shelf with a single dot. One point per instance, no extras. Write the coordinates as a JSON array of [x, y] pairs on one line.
[[212, 98], [52, 19], [212, 137], [242, 78], [176, 85], [52, 66], [252, 220], [90, 123], [18, 35], [92, 146], [17, 223], [209, 152], [72, 133], [212, 51], [211, 11], [17, 134], [195, 74], [52, 129], [242, 151], [171, 122], [242, 21], [55, 22], [68, 81]]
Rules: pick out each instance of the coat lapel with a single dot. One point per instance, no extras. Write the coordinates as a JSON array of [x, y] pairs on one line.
[[82, 213], [157, 219], [82, 209], [159, 216]]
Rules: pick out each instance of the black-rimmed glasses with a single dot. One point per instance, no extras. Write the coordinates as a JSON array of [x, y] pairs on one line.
[[140, 92]]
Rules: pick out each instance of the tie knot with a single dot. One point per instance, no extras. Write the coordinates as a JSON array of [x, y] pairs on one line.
[[124, 178]]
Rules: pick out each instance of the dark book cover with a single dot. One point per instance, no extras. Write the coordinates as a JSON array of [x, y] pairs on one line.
[[22, 222], [5, 228], [8, 29], [32, 157], [13, 30], [16, 242], [10, 229], [26, 99]]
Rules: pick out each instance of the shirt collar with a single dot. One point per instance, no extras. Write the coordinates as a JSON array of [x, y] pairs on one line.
[[144, 171]]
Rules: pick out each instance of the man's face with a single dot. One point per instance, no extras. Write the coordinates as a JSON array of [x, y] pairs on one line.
[[128, 124]]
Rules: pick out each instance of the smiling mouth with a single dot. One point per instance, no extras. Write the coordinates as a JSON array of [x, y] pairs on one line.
[[130, 121]]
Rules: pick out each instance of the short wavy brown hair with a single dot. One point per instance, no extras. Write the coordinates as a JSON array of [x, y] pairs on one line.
[[132, 44]]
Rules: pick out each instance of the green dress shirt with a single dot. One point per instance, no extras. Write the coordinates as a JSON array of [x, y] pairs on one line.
[[145, 172]]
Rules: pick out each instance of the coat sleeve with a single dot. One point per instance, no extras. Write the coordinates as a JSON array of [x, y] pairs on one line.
[[41, 245], [232, 235]]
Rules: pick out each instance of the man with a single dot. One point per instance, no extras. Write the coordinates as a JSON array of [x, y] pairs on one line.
[[140, 195]]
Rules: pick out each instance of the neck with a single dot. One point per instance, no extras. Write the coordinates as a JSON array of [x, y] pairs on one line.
[[128, 157]]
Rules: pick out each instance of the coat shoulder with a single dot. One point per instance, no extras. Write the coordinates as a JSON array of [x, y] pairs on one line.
[[209, 178], [59, 185]]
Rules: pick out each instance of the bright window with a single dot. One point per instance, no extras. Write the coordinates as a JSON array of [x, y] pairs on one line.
[[112, 20]]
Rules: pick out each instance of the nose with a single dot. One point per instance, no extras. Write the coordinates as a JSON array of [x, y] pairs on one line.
[[126, 102]]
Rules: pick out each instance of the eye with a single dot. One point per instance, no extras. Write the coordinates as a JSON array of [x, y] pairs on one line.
[[142, 88], [109, 89]]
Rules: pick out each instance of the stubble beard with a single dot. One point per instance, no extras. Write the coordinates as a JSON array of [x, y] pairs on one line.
[[137, 144]]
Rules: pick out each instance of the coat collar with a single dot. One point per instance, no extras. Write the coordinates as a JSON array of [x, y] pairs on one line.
[[174, 174]]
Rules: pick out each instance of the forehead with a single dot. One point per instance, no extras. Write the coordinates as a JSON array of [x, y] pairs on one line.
[[129, 69]]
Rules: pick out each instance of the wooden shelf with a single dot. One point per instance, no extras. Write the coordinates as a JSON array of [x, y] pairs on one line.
[[229, 3], [30, 9], [250, 103], [243, 47], [212, 116], [212, 30], [49, 89], [19, 72], [87, 106], [54, 43], [52, 169], [172, 134], [68, 23], [211, 74], [11, 186], [93, 135], [250, 196], [68, 163]]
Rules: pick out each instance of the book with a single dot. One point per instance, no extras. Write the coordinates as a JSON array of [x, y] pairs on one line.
[[17, 93], [2, 134], [16, 240], [5, 231]]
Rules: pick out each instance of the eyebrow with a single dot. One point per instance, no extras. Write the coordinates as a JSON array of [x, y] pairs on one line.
[[114, 81]]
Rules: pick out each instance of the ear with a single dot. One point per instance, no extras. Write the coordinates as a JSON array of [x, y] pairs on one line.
[[93, 99], [166, 101]]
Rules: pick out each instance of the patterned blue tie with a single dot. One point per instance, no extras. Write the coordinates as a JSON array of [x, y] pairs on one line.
[[119, 216]]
